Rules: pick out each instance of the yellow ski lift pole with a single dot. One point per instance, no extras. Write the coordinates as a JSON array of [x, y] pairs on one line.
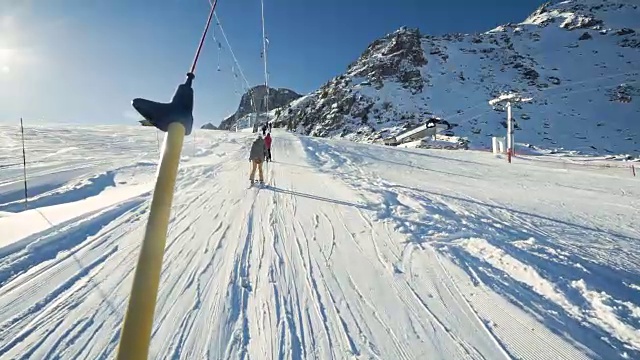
[[176, 119]]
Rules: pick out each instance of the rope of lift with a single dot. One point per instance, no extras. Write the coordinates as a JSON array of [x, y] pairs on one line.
[[213, 34], [204, 35], [264, 57], [233, 55]]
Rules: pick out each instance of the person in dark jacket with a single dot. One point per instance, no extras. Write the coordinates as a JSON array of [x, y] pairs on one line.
[[256, 157], [264, 129], [267, 143]]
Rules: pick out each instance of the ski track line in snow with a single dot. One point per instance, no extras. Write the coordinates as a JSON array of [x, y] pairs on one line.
[[360, 249], [320, 310], [112, 338], [358, 182], [558, 264], [515, 341], [506, 225], [66, 292]]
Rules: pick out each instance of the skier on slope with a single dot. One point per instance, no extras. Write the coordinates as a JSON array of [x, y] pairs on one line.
[[267, 142], [256, 157]]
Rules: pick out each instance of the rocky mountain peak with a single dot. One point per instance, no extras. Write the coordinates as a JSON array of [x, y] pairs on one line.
[[582, 14], [398, 55], [254, 101]]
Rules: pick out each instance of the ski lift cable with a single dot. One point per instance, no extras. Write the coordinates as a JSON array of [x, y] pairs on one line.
[[213, 35], [264, 58], [233, 55], [201, 44]]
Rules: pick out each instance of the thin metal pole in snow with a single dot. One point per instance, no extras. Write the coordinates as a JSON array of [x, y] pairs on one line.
[[24, 168], [176, 119], [264, 51], [509, 132], [509, 98], [157, 141]]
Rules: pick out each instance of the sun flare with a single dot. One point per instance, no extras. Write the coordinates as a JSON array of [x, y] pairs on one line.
[[7, 58]]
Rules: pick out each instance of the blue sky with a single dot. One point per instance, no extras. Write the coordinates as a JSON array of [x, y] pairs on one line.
[[82, 61]]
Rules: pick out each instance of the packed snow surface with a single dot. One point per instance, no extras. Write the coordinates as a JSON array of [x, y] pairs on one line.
[[351, 251]]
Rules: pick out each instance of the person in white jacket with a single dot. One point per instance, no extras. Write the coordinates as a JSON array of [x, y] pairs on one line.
[[256, 157]]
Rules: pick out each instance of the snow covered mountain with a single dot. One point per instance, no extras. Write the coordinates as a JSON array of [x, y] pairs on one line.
[[253, 101], [578, 60], [208, 126]]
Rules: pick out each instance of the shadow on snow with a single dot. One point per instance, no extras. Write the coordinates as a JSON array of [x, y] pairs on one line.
[[91, 187]]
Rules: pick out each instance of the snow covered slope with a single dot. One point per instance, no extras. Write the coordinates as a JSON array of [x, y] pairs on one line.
[[578, 59], [352, 252]]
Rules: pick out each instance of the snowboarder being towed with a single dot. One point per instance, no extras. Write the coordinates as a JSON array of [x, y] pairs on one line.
[[256, 157], [267, 142]]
